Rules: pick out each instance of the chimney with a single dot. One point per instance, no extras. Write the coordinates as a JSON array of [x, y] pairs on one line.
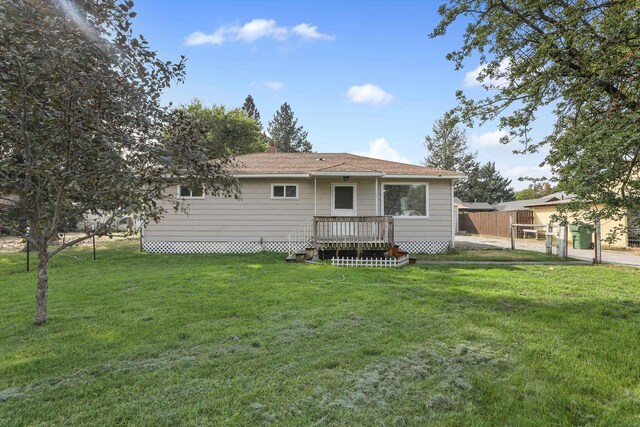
[[272, 149]]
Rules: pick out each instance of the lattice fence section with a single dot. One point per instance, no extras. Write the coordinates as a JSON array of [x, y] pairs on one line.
[[425, 247], [213, 247], [371, 262]]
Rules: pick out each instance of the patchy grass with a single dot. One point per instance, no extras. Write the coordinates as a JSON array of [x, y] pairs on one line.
[[149, 339], [489, 255]]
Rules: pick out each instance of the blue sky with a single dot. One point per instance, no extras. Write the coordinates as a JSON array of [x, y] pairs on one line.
[[361, 77]]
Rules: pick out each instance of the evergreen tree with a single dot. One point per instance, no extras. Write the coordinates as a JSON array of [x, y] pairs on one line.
[[485, 184], [447, 148], [286, 134], [250, 110]]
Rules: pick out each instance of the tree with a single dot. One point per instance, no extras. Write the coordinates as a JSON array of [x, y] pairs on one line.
[[579, 58], [535, 191], [82, 128], [250, 110], [223, 132], [447, 148], [486, 184], [286, 134]]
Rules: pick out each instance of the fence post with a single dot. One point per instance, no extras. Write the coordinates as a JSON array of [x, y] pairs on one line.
[[513, 238], [548, 240], [563, 242], [597, 245]]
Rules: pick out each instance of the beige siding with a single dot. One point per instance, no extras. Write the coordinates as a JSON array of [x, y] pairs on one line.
[[256, 216], [542, 215]]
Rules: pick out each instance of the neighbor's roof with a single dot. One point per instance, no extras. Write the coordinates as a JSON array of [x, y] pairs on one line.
[[328, 164], [476, 206], [550, 203], [517, 205]]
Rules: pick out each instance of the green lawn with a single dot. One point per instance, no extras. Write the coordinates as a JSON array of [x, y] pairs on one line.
[[489, 255], [243, 340]]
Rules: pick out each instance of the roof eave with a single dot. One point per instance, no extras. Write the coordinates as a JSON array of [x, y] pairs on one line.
[[425, 176], [347, 173]]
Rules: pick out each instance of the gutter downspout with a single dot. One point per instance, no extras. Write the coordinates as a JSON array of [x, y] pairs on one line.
[[315, 203]]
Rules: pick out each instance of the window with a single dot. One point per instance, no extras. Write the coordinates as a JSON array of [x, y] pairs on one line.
[[405, 200], [186, 193], [284, 191]]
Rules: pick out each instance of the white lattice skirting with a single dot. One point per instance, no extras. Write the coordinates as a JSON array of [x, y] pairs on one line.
[[425, 247], [371, 262], [213, 247], [253, 247]]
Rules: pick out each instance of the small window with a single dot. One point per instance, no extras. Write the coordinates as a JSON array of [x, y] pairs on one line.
[[187, 193], [405, 200], [284, 191]]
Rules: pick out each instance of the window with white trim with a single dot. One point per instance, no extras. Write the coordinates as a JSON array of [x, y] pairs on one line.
[[405, 199], [284, 191], [187, 193]]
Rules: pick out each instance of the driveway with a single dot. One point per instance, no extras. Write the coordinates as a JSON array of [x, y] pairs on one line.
[[625, 257]]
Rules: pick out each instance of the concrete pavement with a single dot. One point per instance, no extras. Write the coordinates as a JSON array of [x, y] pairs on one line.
[[624, 257]]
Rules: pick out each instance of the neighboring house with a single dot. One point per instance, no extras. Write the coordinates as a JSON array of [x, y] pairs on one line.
[[542, 212], [473, 206], [519, 205], [297, 197]]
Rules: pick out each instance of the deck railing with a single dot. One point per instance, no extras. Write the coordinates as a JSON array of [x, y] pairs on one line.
[[353, 232]]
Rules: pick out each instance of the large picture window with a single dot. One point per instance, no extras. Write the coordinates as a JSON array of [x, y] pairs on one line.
[[188, 193], [405, 200]]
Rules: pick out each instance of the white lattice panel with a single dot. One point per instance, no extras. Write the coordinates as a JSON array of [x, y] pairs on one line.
[[371, 262], [425, 247], [213, 247]]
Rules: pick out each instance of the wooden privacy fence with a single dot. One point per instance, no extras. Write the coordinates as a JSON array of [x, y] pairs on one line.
[[493, 223]]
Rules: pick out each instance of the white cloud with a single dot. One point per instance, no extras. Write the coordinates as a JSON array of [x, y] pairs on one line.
[[255, 30], [259, 28], [471, 77], [369, 94], [275, 86], [310, 32], [380, 149], [487, 139], [269, 84], [198, 37], [516, 172]]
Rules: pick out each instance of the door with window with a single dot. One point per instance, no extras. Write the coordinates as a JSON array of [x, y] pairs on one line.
[[343, 200], [343, 203]]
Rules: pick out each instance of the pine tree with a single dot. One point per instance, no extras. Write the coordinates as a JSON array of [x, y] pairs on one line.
[[447, 148], [250, 110], [286, 134], [486, 184]]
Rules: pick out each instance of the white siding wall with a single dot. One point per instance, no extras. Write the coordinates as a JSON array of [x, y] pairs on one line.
[[256, 216]]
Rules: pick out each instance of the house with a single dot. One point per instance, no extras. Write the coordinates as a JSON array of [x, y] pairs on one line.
[[519, 205], [330, 200], [543, 211]]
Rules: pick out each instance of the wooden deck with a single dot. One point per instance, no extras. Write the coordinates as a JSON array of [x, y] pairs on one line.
[[353, 232]]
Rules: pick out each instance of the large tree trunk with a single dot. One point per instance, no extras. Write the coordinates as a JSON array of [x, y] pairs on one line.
[[43, 287]]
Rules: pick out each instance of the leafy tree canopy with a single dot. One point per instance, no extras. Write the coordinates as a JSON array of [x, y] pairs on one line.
[[579, 58], [82, 127], [221, 132], [286, 134], [535, 191]]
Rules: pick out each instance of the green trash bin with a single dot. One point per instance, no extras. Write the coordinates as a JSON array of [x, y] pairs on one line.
[[582, 236]]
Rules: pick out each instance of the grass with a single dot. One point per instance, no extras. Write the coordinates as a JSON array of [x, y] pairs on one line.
[[489, 255], [149, 339]]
